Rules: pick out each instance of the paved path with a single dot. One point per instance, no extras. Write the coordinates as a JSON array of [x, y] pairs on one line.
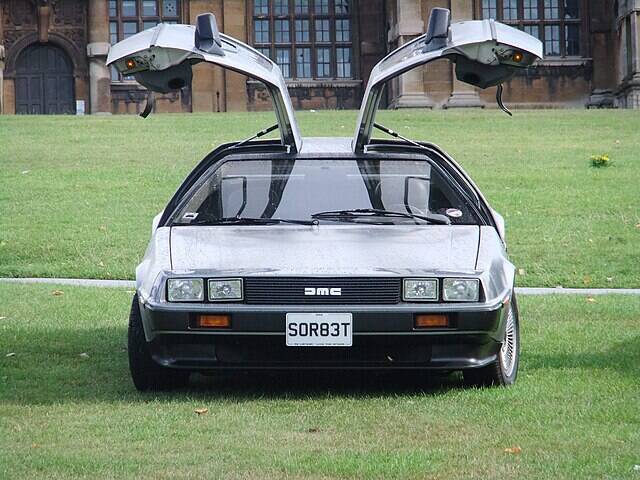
[[577, 291], [82, 282], [130, 284]]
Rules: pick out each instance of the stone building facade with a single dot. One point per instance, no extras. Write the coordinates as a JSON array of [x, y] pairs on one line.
[[53, 52]]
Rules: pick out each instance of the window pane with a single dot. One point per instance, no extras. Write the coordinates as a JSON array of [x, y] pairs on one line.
[[343, 62], [303, 62], [149, 24], [322, 6], [115, 76], [489, 9], [261, 7], [265, 51], [302, 7], [281, 7], [113, 32], [552, 40], [129, 28], [113, 8], [571, 9], [533, 30], [551, 10], [149, 8], [314, 55], [530, 9], [323, 62], [572, 39], [261, 29], [322, 31], [283, 59], [129, 8], [281, 28], [170, 8], [343, 31], [342, 7], [302, 30], [509, 9]]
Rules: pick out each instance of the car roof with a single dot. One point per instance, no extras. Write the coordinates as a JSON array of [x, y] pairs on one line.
[[319, 145], [327, 147]]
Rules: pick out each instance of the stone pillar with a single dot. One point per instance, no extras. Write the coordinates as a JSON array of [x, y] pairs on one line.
[[601, 22], [235, 24], [628, 94], [208, 93], [408, 89], [463, 95], [97, 50]]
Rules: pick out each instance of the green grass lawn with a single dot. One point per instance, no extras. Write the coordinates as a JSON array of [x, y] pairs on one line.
[[574, 411], [77, 195]]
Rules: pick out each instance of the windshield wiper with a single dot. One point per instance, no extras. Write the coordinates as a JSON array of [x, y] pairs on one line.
[[247, 221], [376, 212]]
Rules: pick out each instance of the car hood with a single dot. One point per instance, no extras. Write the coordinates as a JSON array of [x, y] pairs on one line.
[[325, 250]]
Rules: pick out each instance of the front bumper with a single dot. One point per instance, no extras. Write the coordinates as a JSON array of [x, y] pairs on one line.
[[384, 337]]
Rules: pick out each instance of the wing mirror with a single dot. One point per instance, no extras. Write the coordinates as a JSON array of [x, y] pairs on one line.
[[207, 36], [438, 29]]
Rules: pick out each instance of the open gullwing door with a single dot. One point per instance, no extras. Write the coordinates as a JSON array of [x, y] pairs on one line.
[[486, 53], [161, 59]]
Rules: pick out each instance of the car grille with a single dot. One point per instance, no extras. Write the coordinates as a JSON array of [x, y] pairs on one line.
[[291, 291]]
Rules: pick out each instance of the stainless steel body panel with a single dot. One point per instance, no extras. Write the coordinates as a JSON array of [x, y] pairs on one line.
[[166, 46], [476, 41], [327, 250]]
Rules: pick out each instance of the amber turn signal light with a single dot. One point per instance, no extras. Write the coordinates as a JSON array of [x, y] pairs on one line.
[[213, 321], [131, 63], [517, 57], [432, 321]]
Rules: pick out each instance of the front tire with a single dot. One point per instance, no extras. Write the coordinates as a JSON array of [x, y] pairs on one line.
[[145, 372], [504, 370]]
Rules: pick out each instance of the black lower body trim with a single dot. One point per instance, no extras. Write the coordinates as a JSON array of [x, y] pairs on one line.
[[246, 352]]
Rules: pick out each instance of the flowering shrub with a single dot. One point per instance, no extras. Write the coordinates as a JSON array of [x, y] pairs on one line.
[[598, 161]]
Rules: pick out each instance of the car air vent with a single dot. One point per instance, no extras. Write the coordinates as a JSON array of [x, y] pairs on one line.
[[321, 291]]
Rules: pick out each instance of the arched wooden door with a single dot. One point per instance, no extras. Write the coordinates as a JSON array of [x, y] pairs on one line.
[[44, 81]]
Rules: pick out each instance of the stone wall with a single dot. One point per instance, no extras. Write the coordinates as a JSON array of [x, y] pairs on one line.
[[555, 82], [26, 22], [608, 75]]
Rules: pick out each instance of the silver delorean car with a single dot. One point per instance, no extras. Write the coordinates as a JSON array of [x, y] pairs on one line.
[[325, 253]]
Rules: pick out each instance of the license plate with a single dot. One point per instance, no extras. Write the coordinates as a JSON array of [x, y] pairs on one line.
[[319, 330]]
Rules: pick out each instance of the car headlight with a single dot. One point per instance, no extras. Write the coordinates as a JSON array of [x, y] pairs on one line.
[[225, 289], [420, 289], [461, 289], [185, 290]]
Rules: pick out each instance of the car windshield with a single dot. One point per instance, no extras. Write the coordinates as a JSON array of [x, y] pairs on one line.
[[327, 190]]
